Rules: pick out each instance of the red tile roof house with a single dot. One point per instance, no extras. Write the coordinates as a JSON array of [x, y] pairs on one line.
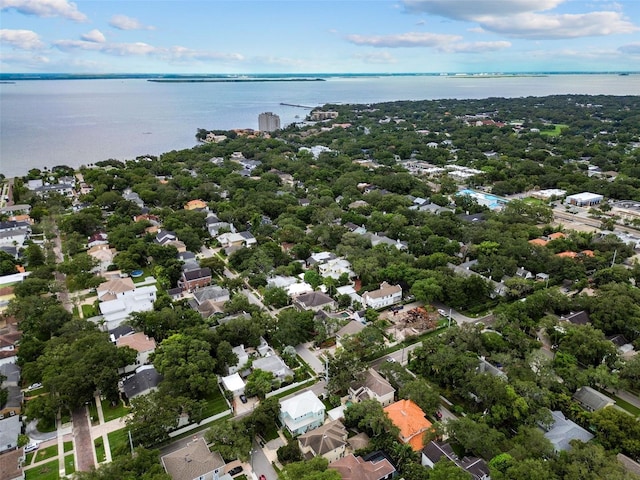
[[411, 421], [197, 278]]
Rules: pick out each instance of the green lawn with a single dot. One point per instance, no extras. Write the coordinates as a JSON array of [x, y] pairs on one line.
[[28, 458], [69, 464], [93, 413], [118, 441], [88, 311], [111, 413], [100, 453], [215, 404], [557, 130], [68, 446], [45, 453], [48, 471], [627, 406]]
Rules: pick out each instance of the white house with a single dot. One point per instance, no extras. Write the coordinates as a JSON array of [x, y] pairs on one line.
[[119, 298], [142, 344], [302, 413], [240, 239], [243, 359], [385, 296], [335, 268], [234, 383]]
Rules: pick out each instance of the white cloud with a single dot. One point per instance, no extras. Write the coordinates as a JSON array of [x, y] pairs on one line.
[[122, 22], [376, 58], [94, 36], [410, 39], [533, 25], [630, 48], [21, 39], [470, 9], [522, 18], [176, 53], [45, 8], [475, 47]]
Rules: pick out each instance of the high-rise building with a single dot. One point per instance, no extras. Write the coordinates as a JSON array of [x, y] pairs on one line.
[[268, 122]]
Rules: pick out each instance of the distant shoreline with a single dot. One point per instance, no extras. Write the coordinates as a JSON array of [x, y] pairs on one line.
[[275, 77], [232, 80]]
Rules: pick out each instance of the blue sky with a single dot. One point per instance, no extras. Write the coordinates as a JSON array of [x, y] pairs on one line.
[[317, 36]]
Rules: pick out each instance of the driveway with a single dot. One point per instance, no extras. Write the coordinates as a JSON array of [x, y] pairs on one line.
[[308, 356], [85, 459], [261, 465], [33, 433]]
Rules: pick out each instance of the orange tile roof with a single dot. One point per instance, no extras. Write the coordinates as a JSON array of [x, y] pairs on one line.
[[588, 253], [539, 242], [410, 419], [193, 204], [567, 254], [556, 236]]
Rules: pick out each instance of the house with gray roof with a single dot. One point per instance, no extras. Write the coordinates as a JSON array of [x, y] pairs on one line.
[[591, 399], [328, 441], [315, 301], [434, 451], [563, 430], [10, 428], [145, 380], [274, 364], [195, 461], [374, 386]]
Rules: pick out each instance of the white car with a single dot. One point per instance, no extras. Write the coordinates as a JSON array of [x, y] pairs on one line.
[[30, 447], [442, 312], [34, 386]]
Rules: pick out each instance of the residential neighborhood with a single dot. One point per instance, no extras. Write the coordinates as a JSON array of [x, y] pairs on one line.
[[453, 294]]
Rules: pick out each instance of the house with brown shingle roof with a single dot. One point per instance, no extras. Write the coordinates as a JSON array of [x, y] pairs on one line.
[[142, 344], [372, 386], [410, 420], [385, 296], [115, 288], [328, 441], [315, 301], [356, 468], [195, 461], [11, 465]]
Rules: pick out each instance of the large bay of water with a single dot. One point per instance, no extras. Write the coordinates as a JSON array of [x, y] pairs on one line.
[[44, 123]]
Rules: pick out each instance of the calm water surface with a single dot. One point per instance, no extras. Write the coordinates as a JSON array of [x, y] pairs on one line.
[[78, 122]]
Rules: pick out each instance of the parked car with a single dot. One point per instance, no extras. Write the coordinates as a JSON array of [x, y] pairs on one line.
[[243, 398], [442, 312], [30, 447], [34, 386], [391, 360], [235, 470]]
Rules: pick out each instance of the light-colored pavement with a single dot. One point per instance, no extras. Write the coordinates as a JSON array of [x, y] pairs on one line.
[[305, 352]]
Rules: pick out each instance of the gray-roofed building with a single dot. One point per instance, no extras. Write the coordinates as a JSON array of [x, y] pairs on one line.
[[145, 380], [328, 441], [213, 293], [10, 428], [629, 464], [314, 301], [434, 451], [273, 364], [577, 318], [195, 461], [563, 430], [591, 399], [372, 386], [13, 405], [351, 328], [12, 373]]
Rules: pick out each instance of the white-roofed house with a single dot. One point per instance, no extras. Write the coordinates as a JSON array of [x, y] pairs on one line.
[[120, 297], [302, 413]]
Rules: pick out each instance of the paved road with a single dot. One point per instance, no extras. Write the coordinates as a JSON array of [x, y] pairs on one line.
[[261, 464], [85, 458], [34, 434]]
